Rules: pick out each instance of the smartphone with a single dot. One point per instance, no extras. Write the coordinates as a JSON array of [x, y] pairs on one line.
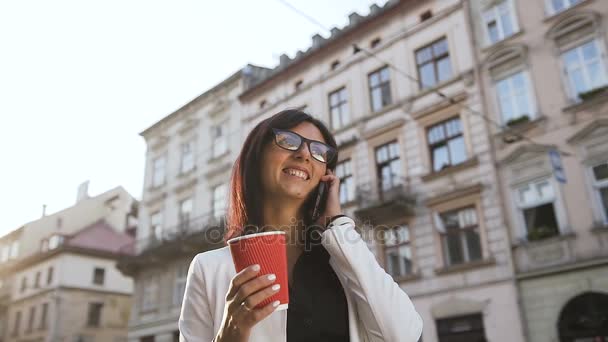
[[320, 201]]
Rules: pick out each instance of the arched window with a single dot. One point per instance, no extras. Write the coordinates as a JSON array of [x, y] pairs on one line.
[[584, 318]]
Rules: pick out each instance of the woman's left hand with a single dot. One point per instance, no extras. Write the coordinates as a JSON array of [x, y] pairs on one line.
[[332, 206]]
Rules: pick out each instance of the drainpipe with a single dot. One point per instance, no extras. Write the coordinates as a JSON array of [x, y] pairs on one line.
[[501, 199]]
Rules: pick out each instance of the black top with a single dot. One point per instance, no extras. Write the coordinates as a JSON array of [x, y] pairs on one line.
[[317, 308]]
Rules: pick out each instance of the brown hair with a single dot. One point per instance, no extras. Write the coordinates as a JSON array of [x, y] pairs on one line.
[[244, 206]]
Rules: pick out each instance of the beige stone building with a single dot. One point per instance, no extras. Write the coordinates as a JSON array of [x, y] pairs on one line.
[[543, 68], [417, 166], [59, 280], [188, 162]]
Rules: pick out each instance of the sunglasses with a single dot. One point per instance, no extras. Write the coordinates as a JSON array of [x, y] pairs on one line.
[[292, 141]]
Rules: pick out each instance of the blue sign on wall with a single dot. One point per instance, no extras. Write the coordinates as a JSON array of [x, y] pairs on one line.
[[558, 167]]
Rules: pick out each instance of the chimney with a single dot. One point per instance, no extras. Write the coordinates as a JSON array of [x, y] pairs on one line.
[[354, 18], [373, 9], [284, 60], [317, 40], [43, 210], [83, 192], [335, 31]]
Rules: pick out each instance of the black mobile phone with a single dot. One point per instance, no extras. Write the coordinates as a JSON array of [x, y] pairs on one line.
[[320, 200]]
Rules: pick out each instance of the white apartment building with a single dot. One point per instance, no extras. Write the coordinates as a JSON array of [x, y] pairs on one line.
[[417, 167], [59, 280], [188, 161]]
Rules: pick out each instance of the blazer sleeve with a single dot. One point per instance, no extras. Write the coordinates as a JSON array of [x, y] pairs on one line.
[[385, 310], [195, 320]]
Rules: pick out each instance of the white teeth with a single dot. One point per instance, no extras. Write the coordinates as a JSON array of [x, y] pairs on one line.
[[297, 173]]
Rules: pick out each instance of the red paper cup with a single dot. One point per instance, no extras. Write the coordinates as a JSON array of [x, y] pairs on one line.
[[268, 250]]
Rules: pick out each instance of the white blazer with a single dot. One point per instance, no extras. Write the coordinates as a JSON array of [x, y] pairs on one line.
[[378, 309]]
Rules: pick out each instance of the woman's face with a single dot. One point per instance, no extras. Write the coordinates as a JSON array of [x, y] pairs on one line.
[[278, 165]]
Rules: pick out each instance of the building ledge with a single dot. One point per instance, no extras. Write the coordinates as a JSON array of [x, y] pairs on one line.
[[513, 134], [593, 100], [408, 278], [469, 163], [466, 267], [546, 241], [573, 266]]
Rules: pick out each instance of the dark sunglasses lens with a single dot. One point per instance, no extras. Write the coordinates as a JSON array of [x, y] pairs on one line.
[[321, 152], [288, 140]]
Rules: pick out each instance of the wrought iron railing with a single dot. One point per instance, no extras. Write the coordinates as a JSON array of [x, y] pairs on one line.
[[383, 190]]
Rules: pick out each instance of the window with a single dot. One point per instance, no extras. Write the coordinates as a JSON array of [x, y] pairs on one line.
[[585, 68], [600, 185], [23, 283], [347, 184], [30, 322], [499, 21], [375, 43], [335, 64], [556, 6], [397, 251], [536, 203], [5, 253], [514, 97], [187, 156], [94, 315], [426, 15], [17, 323], [14, 250], [37, 280], [156, 225], [446, 144], [464, 328], [219, 201], [262, 104], [180, 284], [388, 166], [49, 275], [55, 241], [149, 295], [219, 140], [379, 89], [147, 339], [433, 63], [460, 239], [99, 275], [298, 85], [185, 212], [338, 108], [158, 172], [43, 316]]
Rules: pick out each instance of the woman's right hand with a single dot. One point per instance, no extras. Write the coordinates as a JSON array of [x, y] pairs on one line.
[[247, 290]]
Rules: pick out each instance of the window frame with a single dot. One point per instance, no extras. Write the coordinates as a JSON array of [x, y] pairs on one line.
[[434, 60], [157, 180], [43, 316], [341, 105], [558, 207], [31, 320], [149, 295], [379, 165], [94, 307], [533, 110], [380, 86], [17, 323], [187, 158], [99, 277], [397, 246], [49, 275], [344, 178], [565, 70], [217, 212], [552, 11], [445, 142], [183, 219], [596, 187], [156, 233], [179, 284], [219, 142], [461, 233], [495, 12]]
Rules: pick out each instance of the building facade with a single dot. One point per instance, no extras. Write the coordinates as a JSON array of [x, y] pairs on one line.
[[416, 160], [188, 162], [60, 283], [543, 67]]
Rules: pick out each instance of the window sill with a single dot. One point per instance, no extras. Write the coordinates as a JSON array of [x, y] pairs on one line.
[[559, 14], [511, 134], [407, 278], [435, 88], [599, 228], [549, 240], [596, 99], [219, 157], [471, 162], [465, 267], [185, 174]]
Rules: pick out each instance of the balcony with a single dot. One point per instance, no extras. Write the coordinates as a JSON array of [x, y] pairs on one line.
[[187, 238], [384, 200]]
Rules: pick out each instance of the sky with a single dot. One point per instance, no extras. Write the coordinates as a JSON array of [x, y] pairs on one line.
[[80, 79]]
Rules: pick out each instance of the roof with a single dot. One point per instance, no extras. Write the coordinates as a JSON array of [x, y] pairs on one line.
[[99, 236], [319, 43]]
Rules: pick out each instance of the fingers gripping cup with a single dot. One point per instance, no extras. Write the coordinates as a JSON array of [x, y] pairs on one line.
[[268, 250]]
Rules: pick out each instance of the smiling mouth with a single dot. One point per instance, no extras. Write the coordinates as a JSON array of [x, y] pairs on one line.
[[296, 173]]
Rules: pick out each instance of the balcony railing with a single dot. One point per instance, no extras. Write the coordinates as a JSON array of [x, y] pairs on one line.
[[384, 200], [203, 229]]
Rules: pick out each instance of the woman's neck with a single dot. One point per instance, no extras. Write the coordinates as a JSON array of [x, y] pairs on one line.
[[284, 216]]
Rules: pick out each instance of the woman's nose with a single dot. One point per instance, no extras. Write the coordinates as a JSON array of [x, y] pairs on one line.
[[303, 152]]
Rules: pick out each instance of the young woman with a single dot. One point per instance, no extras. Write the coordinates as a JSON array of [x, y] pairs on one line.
[[337, 290]]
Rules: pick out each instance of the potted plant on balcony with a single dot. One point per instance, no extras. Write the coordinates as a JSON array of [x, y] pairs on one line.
[[592, 93], [540, 233], [518, 120]]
